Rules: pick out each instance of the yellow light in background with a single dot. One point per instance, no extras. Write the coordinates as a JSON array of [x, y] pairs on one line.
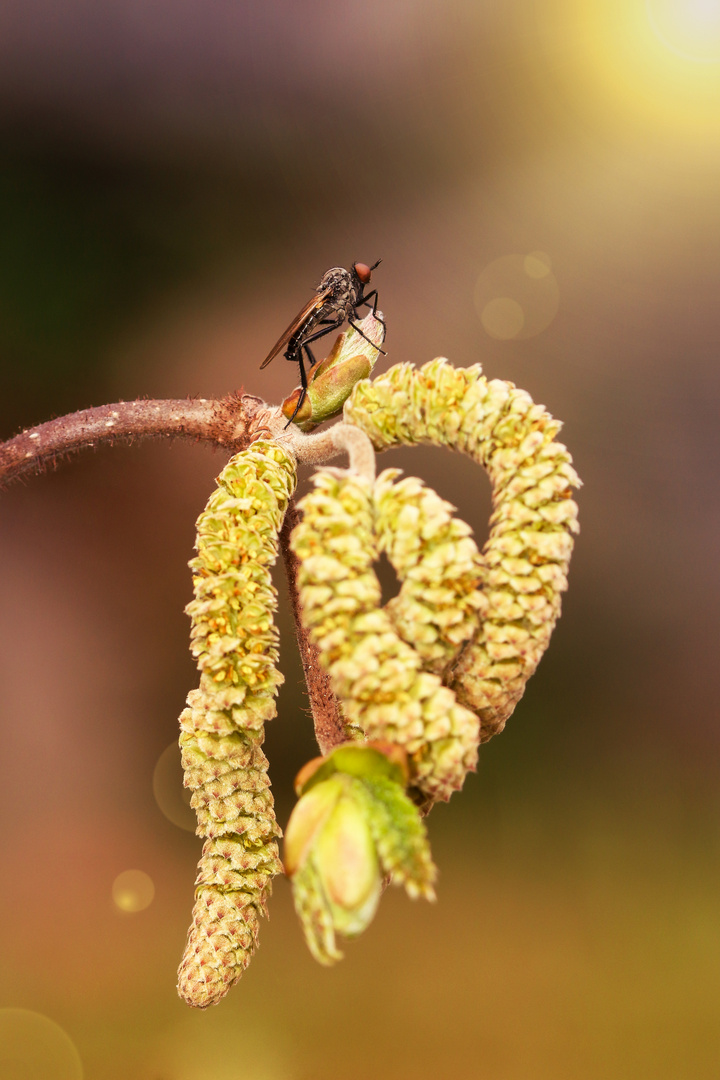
[[517, 296], [33, 1047], [689, 28], [652, 63], [133, 891], [247, 1043]]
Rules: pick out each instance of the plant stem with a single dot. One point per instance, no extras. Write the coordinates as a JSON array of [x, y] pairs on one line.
[[327, 718], [230, 422]]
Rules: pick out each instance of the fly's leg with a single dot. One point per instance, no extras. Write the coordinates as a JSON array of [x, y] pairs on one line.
[[366, 300], [332, 325], [362, 335], [295, 354]]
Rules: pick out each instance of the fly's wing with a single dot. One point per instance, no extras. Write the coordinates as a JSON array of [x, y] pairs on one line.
[[301, 319]]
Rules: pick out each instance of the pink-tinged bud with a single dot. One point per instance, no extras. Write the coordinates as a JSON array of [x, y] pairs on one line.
[[307, 772], [331, 855], [303, 415], [348, 867], [368, 759], [307, 819]]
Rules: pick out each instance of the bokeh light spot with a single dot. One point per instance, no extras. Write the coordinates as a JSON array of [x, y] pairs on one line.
[[517, 296], [690, 28], [502, 318], [537, 264], [170, 795], [34, 1047], [133, 891]]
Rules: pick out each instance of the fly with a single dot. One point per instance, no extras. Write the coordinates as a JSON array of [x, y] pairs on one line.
[[337, 299]]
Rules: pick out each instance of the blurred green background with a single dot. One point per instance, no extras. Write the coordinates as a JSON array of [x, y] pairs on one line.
[[174, 180]]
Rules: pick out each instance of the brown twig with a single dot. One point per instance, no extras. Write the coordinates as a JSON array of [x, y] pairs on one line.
[[231, 422], [328, 720]]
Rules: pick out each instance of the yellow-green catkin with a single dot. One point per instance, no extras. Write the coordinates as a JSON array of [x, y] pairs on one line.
[[377, 676], [439, 606], [235, 641], [533, 521]]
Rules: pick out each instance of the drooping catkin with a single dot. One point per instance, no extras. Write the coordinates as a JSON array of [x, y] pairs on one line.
[[234, 639], [440, 603], [377, 676], [533, 521]]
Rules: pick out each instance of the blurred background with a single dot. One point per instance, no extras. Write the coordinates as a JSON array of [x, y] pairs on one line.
[[541, 181]]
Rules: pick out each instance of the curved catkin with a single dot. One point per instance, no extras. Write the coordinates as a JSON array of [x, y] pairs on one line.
[[234, 639], [533, 521], [439, 606], [378, 677]]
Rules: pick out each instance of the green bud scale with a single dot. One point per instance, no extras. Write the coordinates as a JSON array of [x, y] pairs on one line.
[[348, 832], [234, 639], [330, 380]]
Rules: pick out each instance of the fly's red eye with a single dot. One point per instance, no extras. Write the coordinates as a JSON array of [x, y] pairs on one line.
[[363, 271]]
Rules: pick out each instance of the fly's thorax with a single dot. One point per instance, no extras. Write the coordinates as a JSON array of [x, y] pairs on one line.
[[344, 289]]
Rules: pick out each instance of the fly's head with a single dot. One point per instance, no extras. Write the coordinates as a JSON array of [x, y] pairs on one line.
[[362, 273]]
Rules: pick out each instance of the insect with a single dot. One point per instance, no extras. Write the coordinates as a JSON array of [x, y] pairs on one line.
[[337, 298]]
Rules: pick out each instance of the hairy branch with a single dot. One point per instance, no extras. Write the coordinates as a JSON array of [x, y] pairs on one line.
[[231, 422]]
